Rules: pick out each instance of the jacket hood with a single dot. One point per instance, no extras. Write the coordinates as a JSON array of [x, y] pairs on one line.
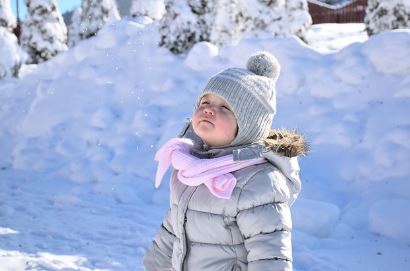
[[281, 148], [286, 143]]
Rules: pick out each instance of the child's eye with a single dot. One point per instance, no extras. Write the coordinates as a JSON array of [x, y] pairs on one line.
[[225, 107], [204, 102]]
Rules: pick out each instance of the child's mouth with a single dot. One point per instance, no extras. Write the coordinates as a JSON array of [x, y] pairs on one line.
[[205, 120]]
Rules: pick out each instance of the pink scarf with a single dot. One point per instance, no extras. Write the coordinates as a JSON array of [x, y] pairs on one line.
[[192, 171]]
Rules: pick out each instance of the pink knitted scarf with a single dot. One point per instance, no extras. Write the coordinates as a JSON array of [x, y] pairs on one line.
[[193, 171]]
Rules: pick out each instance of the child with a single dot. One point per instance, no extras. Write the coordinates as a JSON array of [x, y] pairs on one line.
[[234, 179]]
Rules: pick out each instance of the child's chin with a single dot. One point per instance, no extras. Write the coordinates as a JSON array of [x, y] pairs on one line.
[[204, 129]]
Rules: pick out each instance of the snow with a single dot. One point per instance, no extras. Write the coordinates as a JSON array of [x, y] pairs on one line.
[[92, 16], [391, 210], [12, 56], [201, 56], [79, 134], [44, 33], [332, 37], [385, 15], [227, 21], [387, 56], [317, 218], [74, 27], [154, 9], [7, 19], [282, 18]]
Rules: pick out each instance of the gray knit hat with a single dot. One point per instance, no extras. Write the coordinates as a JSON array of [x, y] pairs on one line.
[[251, 94]]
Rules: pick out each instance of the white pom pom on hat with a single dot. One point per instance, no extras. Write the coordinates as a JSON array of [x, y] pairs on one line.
[[251, 94]]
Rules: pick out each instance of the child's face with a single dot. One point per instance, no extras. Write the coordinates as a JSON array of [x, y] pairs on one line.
[[214, 122]]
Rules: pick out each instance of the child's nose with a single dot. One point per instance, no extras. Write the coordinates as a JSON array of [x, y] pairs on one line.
[[209, 110]]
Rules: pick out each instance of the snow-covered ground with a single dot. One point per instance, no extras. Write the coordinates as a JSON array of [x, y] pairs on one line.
[[329, 38], [78, 136]]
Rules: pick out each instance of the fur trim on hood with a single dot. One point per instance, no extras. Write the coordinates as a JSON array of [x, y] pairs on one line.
[[287, 143]]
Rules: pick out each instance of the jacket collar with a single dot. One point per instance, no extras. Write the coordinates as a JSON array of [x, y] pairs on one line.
[[281, 149], [203, 151], [282, 142]]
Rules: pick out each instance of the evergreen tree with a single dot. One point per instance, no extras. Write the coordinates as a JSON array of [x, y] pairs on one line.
[[95, 14], [228, 24], [276, 17], [179, 27], [205, 12], [154, 9], [7, 19], [44, 33], [226, 21], [12, 56], [298, 18], [263, 16], [186, 23], [384, 15]]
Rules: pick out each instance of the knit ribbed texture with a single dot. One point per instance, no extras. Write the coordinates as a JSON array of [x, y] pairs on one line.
[[252, 97]]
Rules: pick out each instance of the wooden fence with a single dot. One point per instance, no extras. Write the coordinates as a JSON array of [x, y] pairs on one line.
[[351, 12]]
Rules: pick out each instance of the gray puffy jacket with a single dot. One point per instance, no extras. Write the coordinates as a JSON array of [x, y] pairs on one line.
[[250, 231]]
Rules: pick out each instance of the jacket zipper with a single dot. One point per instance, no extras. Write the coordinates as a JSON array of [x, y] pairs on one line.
[[184, 239]]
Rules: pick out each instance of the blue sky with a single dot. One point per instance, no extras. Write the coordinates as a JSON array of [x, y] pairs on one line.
[[63, 5]]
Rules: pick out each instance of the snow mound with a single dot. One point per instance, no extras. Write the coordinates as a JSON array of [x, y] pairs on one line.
[[390, 218], [201, 56], [387, 54], [314, 217], [101, 107], [79, 135]]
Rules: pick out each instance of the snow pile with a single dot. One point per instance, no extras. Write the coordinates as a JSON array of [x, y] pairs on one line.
[[201, 56], [387, 210], [327, 38], [389, 60], [319, 223], [124, 115], [80, 132]]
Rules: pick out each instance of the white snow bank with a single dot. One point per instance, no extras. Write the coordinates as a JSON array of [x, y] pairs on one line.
[[390, 218], [79, 135], [315, 217], [4, 231], [389, 52], [101, 107], [201, 56], [15, 261], [331, 37]]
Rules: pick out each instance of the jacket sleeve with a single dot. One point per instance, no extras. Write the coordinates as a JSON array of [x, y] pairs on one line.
[[265, 222], [159, 254]]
